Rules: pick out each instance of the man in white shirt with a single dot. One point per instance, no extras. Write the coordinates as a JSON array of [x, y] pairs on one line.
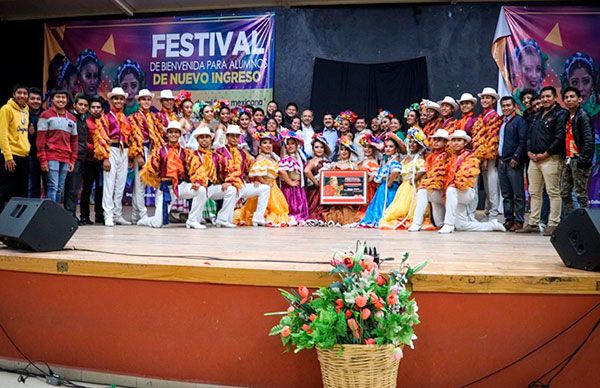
[[361, 131], [307, 131]]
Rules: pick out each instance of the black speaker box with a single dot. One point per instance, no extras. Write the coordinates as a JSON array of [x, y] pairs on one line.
[[36, 224], [577, 240]]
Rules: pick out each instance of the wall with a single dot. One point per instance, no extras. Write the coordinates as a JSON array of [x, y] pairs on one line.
[[456, 40]]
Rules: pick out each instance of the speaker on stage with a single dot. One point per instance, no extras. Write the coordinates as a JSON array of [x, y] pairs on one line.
[[577, 240], [36, 224]]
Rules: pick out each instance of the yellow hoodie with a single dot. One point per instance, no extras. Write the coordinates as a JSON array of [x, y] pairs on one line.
[[14, 122]]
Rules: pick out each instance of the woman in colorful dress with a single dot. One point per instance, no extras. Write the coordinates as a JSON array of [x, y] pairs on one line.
[[387, 177], [400, 213], [291, 172], [265, 171], [223, 114], [343, 215], [273, 128], [371, 147], [244, 117], [321, 156]]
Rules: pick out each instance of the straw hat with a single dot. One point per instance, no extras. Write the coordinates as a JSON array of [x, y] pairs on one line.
[[441, 134], [202, 131], [166, 94], [489, 92], [174, 125], [317, 137], [144, 93], [449, 100], [345, 142], [433, 105], [460, 134], [467, 97], [233, 130], [117, 92]]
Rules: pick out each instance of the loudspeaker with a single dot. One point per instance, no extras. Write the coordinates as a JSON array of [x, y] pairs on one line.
[[36, 224], [577, 240]]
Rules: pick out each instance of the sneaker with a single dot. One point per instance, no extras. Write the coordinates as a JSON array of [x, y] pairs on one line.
[[497, 226], [549, 231], [516, 226], [446, 229], [414, 228], [529, 229], [194, 225], [122, 221], [224, 224], [108, 222]]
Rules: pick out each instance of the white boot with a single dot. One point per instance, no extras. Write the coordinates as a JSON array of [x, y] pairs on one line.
[[446, 229], [498, 227], [414, 228], [224, 224], [122, 221], [194, 225]]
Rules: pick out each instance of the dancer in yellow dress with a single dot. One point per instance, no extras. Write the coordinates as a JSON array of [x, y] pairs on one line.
[[265, 170], [400, 213]]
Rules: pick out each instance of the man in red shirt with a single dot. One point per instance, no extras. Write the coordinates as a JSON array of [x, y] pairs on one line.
[[57, 143], [92, 169]]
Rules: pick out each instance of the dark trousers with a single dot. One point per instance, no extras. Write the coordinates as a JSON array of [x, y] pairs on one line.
[[574, 178], [545, 207], [37, 178], [92, 177], [72, 185], [13, 184], [512, 185]]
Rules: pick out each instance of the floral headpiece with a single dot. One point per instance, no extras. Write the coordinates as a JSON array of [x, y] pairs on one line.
[[419, 136], [370, 140], [130, 65], [181, 97], [238, 110], [321, 139], [88, 55], [345, 142], [413, 107], [220, 104], [260, 135], [289, 134], [198, 107], [580, 57], [346, 115], [383, 113]]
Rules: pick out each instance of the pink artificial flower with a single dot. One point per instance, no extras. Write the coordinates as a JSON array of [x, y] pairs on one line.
[[374, 297], [303, 291], [335, 262], [348, 313], [361, 301], [354, 328], [285, 332], [365, 314], [370, 341], [291, 309], [392, 299], [380, 280], [339, 304], [307, 329], [379, 314], [312, 317], [349, 262], [398, 354]]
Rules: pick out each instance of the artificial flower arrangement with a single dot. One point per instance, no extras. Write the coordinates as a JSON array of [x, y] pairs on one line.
[[364, 307]]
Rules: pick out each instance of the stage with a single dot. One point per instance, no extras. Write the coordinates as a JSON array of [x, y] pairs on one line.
[[188, 305]]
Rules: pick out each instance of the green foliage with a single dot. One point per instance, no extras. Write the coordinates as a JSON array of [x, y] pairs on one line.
[[363, 307]]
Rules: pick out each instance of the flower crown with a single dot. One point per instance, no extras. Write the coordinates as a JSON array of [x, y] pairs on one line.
[[87, 54], [346, 115], [383, 113], [260, 135], [412, 107], [198, 107], [182, 96], [129, 65], [370, 140], [220, 104]]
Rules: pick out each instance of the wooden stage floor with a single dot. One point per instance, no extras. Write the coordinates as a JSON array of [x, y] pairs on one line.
[[460, 262]]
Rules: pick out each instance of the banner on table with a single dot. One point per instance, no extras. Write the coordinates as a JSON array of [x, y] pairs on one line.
[[556, 45], [224, 57], [343, 187]]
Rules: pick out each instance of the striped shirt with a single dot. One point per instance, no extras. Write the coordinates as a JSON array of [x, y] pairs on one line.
[[57, 137]]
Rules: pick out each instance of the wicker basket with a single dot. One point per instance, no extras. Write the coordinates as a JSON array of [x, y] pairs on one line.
[[362, 366]]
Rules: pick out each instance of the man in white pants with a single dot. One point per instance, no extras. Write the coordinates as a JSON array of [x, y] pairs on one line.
[[150, 129], [485, 147], [201, 141], [434, 182], [111, 145], [234, 165], [176, 174]]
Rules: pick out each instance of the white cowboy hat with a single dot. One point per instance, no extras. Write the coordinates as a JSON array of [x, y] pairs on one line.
[[117, 92], [467, 97], [489, 92], [460, 134], [449, 100], [174, 125], [166, 94], [440, 133], [144, 93], [202, 131], [233, 130], [433, 105]]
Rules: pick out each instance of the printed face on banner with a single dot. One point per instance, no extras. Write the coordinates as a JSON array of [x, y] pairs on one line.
[[214, 58]]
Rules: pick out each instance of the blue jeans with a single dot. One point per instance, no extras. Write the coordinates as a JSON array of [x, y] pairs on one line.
[[57, 173]]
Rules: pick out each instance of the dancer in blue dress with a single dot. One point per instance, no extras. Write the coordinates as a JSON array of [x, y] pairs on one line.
[[387, 177]]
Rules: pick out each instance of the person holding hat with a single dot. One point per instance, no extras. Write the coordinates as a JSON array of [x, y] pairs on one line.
[[176, 173], [167, 102], [57, 143], [400, 212], [264, 171], [151, 128], [438, 176], [467, 114], [291, 173], [340, 215], [387, 178], [234, 167], [448, 107], [371, 146], [201, 143], [461, 193], [321, 157], [486, 139], [432, 119], [112, 138]]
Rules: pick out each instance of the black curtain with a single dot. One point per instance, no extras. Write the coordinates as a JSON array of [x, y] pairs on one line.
[[366, 88]]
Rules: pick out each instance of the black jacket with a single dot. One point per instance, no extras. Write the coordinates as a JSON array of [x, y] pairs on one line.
[[514, 142], [547, 132], [82, 132], [583, 133]]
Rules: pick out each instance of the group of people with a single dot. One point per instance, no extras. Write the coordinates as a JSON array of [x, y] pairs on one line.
[[233, 166]]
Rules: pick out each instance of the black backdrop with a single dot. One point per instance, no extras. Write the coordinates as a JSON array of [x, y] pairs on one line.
[[366, 88]]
